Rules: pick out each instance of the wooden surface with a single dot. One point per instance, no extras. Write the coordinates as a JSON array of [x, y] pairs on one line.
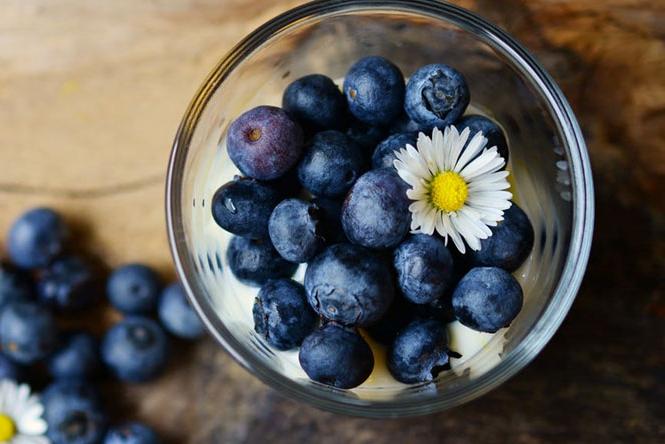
[[91, 93]]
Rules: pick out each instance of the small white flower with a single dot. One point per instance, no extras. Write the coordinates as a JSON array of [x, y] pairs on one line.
[[454, 192], [21, 419]]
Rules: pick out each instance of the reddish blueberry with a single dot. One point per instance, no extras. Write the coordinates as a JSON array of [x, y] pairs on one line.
[[264, 142]]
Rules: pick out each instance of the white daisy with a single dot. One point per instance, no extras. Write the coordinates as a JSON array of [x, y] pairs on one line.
[[21, 419], [454, 192]]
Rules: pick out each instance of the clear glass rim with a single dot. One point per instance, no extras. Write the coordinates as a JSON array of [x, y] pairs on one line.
[[581, 234]]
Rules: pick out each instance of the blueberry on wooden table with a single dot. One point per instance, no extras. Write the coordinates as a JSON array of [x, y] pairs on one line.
[[36, 238], [337, 356], [135, 349], [134, 288], [68, 284], [131, 433], [76, 358], [28, 332], [74, 413], [15, 285], [177, 315]]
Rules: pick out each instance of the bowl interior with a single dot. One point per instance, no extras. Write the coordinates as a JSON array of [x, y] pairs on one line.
[[330, 43]]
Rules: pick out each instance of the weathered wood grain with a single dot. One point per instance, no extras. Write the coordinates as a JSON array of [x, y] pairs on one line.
[[91, 94]]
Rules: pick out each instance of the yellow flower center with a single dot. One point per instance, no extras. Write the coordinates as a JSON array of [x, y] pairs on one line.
[[7, 428], [448, 191]]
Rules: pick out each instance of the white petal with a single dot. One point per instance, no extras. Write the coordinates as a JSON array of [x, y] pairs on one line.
[[458, 145], [454, 235], [428, 221], [417, 193], [474, 147]]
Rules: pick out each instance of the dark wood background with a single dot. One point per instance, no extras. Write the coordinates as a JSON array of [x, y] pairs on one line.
[[91, 93]]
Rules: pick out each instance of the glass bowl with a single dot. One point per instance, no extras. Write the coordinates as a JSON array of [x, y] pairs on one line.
[[551, 181]]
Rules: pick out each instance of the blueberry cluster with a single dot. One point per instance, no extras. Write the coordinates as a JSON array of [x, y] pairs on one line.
[[44, 286], [348, 219]]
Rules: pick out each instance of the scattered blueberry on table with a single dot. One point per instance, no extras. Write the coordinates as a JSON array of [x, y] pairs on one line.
[[131, 433], [135, 349], [36, 238], [74, 413], [370, 265], [133, 289], [67, 284], [76, 359], [28, 332], [43, 284], [177, 315]]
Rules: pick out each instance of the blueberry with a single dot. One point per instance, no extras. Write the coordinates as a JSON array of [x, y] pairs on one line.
[[366, 136], [73, 413], [243, 207], [68, 284], [436, 96], [36, 238], [264, 142], [420, 352], [491, 130], [315, 102], [255, 261], [131, 433], [331, 164], [330, 219], [15, 285], [293, 230], [384, 155], [399, 314], [487, 299], [77, 358], [376, 213], [404, 124], [177, 315], [282, 315], [349, 284], [374, 89], [134, 289], [440, 309], [510, 243], [135, 349], [424, 268], [287, 185], [337, 356], [9, 369], [27, 332]]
